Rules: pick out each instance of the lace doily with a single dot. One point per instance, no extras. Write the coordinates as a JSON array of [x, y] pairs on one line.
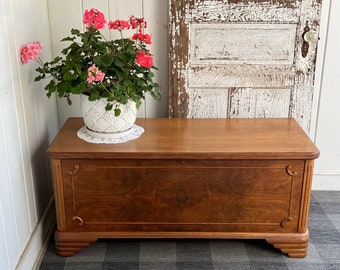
[[110, 138]]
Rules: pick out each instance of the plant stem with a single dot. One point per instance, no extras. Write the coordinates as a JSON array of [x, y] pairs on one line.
[[122, 38]]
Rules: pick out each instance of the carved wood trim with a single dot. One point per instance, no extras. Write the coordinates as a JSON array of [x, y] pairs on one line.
[[284, 221], [75, 170], [305, 196], [68, 243], [59, 189], [80, 221], [294, 247], [290, 172]]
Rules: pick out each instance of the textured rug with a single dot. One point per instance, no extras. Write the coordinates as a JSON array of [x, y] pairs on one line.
[[323, 250]]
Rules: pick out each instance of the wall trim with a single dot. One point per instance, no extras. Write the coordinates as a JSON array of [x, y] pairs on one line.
[[326, 181], [37, 245]]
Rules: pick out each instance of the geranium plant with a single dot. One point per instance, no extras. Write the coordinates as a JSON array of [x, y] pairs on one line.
[[118, 70]]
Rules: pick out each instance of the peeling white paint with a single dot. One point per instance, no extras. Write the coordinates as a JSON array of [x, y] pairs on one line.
[[221, 11], [242, 43], [208, 103], [244, 59], [256, 76], [259, 103]]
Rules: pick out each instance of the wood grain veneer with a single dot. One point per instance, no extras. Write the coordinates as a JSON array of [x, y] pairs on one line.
[[185, 178]]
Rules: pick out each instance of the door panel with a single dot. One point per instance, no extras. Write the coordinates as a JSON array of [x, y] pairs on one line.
[[243, 58]]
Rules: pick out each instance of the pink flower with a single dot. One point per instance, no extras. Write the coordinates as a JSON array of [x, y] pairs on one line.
[[142, 37], [133, 22], [30, 51], [144, 59], [94, 74], [94, 17], [119, 24], [137, 22]]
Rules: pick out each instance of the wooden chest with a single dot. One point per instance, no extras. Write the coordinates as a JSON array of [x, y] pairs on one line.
[[186, 178]]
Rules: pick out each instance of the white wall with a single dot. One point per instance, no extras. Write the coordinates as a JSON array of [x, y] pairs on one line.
[[28, 122], [327, 132]]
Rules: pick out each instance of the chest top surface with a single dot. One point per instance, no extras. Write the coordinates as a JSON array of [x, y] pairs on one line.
[[182, 138]]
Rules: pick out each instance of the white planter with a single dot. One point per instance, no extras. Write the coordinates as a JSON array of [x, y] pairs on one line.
[[97, 119]]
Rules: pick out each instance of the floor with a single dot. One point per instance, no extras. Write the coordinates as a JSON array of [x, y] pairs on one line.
[[323, 251]]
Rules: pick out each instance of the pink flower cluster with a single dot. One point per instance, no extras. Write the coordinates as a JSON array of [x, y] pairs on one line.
[[97, 19], [142, 37], [94, 17], [118, 25], [144, 59], [94, 74], [137, 23], [30, 51]]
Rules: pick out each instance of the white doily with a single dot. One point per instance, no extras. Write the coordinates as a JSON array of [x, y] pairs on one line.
[[110, 138]]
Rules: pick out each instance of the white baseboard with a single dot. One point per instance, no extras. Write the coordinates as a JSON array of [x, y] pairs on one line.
[[36, 247], [326, 181]]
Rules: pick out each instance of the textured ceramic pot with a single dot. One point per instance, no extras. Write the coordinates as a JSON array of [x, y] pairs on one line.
[[97, 119]]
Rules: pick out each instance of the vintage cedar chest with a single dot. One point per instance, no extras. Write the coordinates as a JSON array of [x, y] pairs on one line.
[[186, 178]]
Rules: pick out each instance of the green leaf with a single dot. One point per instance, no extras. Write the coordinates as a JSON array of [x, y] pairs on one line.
[[108, 106], [69, 101], [68, 76], [117, 112], [63, 87], [78, 89], [138, 104], [68, 39], [38, 78], [103, 60], [75, 32]]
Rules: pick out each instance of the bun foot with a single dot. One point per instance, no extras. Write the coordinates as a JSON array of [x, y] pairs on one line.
[[67, 244], [294, 246]]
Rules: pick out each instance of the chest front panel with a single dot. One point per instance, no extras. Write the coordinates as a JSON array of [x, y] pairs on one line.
[[182, 195]]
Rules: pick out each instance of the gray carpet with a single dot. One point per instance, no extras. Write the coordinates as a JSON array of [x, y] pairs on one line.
[[323, 251]]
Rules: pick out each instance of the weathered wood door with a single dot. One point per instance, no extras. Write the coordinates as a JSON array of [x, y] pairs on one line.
[[232, 58]]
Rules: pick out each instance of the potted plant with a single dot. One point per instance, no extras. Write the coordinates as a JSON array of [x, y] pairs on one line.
[[116, 73]]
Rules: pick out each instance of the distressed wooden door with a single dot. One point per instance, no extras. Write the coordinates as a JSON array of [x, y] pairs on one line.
[[249, 59]]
